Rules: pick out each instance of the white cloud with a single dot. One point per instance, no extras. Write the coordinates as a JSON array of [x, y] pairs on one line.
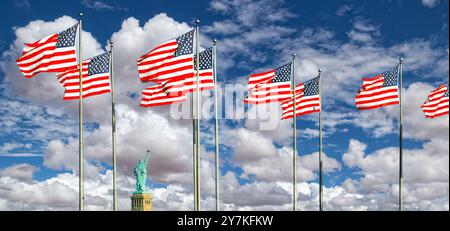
[[261, 160], [416, 126], [6, 147], [252, 146], [430, 3], [425, 176], [343, 10], [19, 171], [225, 27], [102, 5]]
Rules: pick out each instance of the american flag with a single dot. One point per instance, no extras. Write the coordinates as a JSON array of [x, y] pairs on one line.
[[96, 78], [273, 86], [157, 96], [205, 76], [307, 99], [170, 61], [437, 102], [54, 53], [379, 91]]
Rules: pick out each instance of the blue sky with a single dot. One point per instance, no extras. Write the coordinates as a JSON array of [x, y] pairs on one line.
[[347, 39]]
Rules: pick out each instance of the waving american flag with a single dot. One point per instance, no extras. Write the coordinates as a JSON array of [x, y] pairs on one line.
[[270, 86], [437, 103], [156, 95], [307, 99], [96, 78], [206, 78], [54, 53], [379, 91], [170, 61]]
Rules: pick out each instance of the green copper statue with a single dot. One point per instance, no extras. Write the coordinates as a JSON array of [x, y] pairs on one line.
[[140, 171]]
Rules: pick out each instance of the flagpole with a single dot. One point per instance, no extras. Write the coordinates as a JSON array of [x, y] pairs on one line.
[[194, 151], [294, 153], [80, 117], [197, 57], [113, 126], [320, 146], [216, 125], [400, 174]]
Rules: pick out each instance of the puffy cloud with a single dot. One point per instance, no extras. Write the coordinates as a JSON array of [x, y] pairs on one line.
[[252, 146], [425, 177], [355, 153], [260, 159], [416, 126], [363, 31], [19, 171]]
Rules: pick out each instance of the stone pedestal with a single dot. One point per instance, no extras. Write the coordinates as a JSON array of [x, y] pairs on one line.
[[141, 202]]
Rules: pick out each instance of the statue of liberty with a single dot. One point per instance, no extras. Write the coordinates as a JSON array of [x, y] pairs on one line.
[[140, 171]]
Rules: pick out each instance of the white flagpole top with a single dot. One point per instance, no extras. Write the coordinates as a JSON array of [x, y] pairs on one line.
[[293, 55], [197, 21], [214, 41], [80, 15], [400, 59]]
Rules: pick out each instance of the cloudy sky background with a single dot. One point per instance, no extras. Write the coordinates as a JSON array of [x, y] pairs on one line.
[[347, 39]]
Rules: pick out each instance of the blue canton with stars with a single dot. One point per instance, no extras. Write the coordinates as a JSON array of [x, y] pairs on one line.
[[283, 73], [311, 87], [67, 37], [390, 77], [205, 59], [185, 44], [99, 64]]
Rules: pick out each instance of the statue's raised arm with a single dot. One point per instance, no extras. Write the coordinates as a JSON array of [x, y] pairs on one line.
[[146, 157]]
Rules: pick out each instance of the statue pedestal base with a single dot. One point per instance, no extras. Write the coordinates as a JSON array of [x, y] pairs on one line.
[[141, 202]]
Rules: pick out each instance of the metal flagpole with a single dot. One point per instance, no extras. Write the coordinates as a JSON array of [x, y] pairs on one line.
[[216, 125], [194, 148], [194, 151], [113, 126], [294, 153], [400, 174], [197, 57], [320, 145], [80, 117]]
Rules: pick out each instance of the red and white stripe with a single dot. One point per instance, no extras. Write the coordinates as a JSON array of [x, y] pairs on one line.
[[256, 79], [156, 96], [92, 84], [303, 104], [374, 95], [160, 65], [44, 56], [206, 80], [437, 104], [269, 92]]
